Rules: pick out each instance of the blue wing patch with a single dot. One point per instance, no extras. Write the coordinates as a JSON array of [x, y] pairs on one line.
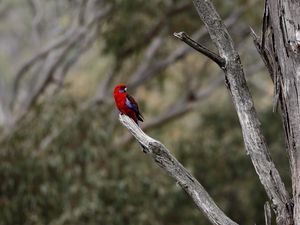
[[131, 105]]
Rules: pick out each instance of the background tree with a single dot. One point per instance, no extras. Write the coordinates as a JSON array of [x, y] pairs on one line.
[[61, 160]]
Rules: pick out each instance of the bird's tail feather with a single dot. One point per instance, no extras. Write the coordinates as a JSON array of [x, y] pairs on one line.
[[140, 117]]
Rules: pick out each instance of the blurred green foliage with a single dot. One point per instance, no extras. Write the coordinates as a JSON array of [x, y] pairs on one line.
[[81, 179]]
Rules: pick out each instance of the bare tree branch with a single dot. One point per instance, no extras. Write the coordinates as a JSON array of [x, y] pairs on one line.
[[253, 138], [159, 65], [198, 47], [164, 159], [267, 210], [279, 47]]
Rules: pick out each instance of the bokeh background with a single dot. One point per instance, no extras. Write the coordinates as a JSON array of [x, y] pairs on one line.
[[66, 159]]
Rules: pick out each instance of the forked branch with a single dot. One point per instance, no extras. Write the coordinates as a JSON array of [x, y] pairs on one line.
[[253, 137]]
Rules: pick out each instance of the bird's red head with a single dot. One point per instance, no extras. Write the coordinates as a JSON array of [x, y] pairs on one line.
[[120, 89]]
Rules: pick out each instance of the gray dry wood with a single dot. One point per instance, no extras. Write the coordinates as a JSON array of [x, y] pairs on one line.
[[164, 159], [279, 47], [252, 134]]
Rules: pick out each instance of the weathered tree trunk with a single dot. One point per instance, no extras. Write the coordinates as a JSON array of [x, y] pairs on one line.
[[252, 134], [280, 48]]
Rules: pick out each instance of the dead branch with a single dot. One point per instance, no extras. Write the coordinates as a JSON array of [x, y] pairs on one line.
[[164, 159], [179, 53], [267, 210], [279, 47], [200, 48], [253, 138]]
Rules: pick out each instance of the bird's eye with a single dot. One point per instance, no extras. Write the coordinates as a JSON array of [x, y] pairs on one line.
[[122, 90]]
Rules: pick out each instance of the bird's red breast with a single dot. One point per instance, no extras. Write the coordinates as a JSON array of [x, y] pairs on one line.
[[120, 96]]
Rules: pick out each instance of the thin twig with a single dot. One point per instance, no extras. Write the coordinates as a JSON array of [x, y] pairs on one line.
[[200, 48]]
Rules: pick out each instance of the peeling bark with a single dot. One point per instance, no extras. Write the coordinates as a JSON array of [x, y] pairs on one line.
[[280, 49]]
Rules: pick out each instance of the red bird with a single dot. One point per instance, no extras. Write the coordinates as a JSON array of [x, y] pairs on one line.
[[127, 104]]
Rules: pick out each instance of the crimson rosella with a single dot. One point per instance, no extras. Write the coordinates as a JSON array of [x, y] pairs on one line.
[[126, 103]]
